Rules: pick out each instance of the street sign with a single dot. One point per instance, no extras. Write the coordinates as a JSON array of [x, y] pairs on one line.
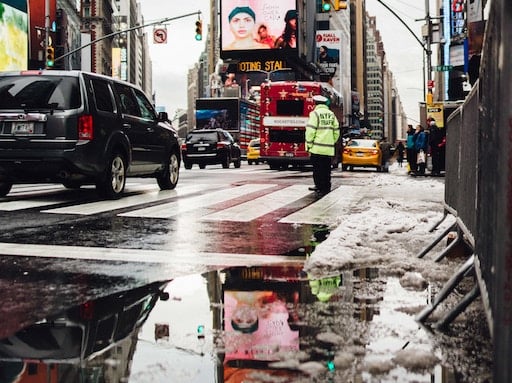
[[160, 36], [443, 68]]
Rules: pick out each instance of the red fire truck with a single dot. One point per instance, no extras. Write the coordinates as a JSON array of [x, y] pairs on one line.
[[284, 111]]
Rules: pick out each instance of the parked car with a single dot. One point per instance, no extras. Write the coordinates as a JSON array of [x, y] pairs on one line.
[[253, 152], [77, 128], [362, 153], [210, 147]]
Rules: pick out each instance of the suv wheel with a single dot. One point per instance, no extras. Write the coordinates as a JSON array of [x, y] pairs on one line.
[[168, 179], [5, 188], [111, 185], [237, 163], [187, 165], [225, 161]]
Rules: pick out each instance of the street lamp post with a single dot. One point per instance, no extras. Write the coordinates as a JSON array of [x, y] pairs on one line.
[[424, 45]]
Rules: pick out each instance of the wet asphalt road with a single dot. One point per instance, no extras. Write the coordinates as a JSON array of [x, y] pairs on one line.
[[98, 271]]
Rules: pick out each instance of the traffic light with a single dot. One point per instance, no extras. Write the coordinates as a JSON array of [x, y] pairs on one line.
[[326, 5], [50, 57], [340, 4], [199, 30], [336, 5]]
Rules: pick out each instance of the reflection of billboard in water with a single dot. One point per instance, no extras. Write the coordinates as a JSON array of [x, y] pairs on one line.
[[13, 35], [257, 326], [258, 25]]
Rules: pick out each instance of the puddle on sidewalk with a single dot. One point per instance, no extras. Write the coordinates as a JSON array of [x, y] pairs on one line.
[[256, 324], [252, 324]]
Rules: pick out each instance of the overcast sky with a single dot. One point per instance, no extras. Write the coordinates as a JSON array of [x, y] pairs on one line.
[[171, 61]]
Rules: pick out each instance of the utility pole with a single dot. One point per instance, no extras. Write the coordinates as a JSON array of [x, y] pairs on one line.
[[424, 45], [46, 29], [428, 51]]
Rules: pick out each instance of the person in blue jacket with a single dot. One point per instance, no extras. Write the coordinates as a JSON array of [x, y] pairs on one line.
[[421, 144], [411, 150]]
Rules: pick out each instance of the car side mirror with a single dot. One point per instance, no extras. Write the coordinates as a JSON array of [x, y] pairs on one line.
[[163, 116]]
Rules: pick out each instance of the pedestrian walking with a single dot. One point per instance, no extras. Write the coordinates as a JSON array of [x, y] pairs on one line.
[[410, 149], [385, 148], [400, 149], [322, 132], [421, 146], [436, 147]]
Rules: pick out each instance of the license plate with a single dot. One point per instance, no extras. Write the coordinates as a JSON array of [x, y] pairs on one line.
[[22, 128], [289, 154], [201, 149], [359, 154]]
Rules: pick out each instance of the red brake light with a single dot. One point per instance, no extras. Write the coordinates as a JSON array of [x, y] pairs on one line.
[[85, 127], [183, 146], [221, 145], [87, 310]]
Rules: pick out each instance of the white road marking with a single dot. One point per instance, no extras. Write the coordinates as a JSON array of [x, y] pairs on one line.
[[140, 256], [258, 207], [28, 204], [174, 208], [103, 206], [327, 210]]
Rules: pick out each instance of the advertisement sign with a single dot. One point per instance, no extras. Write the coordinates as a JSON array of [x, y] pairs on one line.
[[13, 35], [436, 111], [328, 54], [257, 26], [257, 326]]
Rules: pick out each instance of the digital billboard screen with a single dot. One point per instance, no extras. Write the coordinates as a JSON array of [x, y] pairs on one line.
[[256, 27], [13, 35]]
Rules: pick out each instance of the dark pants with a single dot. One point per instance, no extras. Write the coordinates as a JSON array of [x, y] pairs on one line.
[[411, 158], [321, 172]]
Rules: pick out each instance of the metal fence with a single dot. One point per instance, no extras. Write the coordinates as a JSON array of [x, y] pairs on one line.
[[479, 179]]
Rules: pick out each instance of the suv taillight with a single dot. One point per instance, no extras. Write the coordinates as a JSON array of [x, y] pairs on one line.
[[221, 145], [183, 146], [85, 127]]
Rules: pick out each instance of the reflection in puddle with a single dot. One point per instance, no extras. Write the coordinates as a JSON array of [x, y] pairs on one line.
[[82, 344], [239, 324]]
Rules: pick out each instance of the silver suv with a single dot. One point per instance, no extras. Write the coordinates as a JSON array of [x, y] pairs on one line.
[[78, 128]]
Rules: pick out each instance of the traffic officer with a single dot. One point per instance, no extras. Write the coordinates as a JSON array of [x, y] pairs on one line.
[[322, 132]]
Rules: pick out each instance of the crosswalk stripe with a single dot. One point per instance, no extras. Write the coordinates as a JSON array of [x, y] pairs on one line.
[[141, 255], [174, 208], [28, 204], [258, 207], [327, 210], [125, 202]]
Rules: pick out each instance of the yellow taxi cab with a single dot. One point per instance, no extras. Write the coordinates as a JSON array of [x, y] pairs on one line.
[[362, 153], [253, 152]]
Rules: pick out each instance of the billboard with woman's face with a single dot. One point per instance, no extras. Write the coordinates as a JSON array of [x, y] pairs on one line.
[[258, 26], [13, 35]]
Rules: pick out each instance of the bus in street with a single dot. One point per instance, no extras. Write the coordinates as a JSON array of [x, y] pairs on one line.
[[284, 112]]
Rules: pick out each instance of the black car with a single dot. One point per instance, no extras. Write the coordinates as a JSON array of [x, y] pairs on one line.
[[210, 147], [78, 128]]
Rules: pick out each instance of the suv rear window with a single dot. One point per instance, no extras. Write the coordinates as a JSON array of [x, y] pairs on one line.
[[196, 137], [39, 92]]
